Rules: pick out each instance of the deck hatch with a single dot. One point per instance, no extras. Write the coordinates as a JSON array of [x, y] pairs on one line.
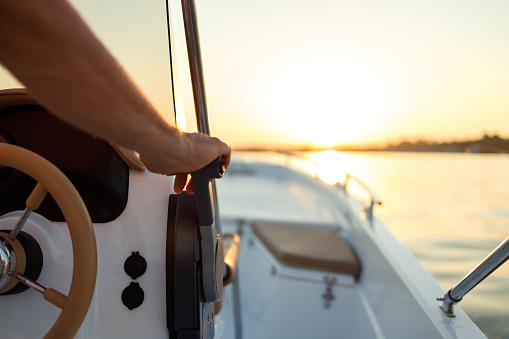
[[308, 247]]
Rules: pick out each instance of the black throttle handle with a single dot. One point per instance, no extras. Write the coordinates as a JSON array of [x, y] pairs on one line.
[[210, 240], [203, 190]]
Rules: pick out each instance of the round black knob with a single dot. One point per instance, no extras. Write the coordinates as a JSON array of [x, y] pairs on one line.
[[135, 265], [133, 296]]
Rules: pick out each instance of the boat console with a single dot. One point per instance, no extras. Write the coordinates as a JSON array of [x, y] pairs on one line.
[[187, 253]]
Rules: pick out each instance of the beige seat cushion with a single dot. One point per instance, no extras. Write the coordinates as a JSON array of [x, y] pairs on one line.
[[307, 247]]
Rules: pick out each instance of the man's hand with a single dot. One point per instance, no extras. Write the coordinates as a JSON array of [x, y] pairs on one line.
[[192, 152]]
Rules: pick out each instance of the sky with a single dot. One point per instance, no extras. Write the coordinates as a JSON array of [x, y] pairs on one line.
[[282, 73]]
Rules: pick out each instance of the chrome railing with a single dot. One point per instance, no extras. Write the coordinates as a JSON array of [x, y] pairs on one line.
[[489, 265], [374, 200], [195, 66]]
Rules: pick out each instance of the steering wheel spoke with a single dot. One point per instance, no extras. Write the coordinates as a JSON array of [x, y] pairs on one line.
[[33, 202], [53, 296]]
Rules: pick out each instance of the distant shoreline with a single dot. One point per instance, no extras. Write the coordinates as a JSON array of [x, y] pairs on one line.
[[487, 144]]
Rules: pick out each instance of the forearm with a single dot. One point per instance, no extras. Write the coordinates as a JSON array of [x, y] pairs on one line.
[[80, 76]]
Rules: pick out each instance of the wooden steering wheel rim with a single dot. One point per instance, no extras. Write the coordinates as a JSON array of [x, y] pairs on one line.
[[80, 228]]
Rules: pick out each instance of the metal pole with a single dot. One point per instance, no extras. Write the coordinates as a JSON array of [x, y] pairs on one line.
[[489, 265], [198, 83], [195, 65]]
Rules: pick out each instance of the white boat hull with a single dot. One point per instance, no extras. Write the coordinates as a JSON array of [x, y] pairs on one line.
[[394, 297]]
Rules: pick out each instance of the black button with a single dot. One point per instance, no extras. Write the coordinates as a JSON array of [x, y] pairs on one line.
[[133, 296], [135, 265]]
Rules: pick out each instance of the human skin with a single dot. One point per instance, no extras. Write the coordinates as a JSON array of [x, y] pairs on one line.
[[50, 49]]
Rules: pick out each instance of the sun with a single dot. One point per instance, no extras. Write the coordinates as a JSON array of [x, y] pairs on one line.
[[327, 102]]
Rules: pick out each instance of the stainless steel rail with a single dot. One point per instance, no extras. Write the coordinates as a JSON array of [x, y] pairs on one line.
[[374, 200], [195, 65], [198, 82], [489, 265]]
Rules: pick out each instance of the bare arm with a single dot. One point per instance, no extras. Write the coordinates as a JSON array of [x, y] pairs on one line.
[[49, 48]]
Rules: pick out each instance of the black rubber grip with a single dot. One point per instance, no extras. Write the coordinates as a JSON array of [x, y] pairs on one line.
[[203, 190]]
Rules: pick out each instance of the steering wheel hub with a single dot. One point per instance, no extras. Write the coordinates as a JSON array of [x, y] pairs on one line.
[[13, 259], [8, 263]]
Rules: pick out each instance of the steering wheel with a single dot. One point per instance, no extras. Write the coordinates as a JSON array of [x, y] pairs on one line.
[[50, 179]]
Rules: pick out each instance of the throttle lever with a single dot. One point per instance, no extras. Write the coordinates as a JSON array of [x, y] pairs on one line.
[[203, 190], [211, 244]]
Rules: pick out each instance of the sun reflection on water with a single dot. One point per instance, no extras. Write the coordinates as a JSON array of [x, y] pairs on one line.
[[329, 166]]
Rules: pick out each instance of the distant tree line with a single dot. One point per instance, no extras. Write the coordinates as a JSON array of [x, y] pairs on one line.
[[487, 144]]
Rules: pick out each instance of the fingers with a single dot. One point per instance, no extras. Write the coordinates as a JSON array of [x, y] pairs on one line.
[[218, 148], [227, 157], [190, 187], [225, 152], [180, 183]]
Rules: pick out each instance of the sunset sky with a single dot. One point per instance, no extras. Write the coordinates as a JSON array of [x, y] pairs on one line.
[[281, 73]]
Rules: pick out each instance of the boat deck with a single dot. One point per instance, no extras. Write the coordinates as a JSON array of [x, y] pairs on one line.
[[284, 289]]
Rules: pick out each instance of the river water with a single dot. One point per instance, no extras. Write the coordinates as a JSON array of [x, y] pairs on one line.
[[450, 210]]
